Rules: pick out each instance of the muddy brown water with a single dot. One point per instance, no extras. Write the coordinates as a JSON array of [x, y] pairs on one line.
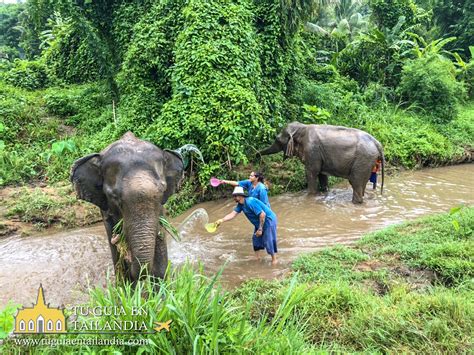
[[67, 263]]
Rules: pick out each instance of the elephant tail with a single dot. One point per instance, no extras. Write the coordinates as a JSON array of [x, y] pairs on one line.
[[382, 159], [383, 173]]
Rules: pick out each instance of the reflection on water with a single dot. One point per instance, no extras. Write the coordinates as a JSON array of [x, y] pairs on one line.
[[65, 262]]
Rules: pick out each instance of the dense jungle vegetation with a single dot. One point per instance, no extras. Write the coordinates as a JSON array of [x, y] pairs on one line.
[[227, 75]]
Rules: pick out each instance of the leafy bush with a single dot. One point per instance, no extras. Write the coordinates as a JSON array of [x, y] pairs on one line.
[[27, 74], [386, 13], [430, 85], [9, 31], [215, 80], [75, 52], [7, 320]]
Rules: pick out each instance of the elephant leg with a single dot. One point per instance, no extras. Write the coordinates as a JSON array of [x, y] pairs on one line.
[[358, 180], [323, 182], [357, 193], [312, 173]]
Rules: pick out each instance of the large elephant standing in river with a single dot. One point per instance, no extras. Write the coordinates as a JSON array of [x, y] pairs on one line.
[[331, 150], [131, 179]]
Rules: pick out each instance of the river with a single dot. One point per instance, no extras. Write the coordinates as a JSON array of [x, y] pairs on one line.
[[67, 263]]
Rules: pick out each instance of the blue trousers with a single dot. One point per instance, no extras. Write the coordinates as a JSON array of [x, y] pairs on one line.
[[268, 239]]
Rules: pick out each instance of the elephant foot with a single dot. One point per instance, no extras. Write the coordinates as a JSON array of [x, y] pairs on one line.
[[357, 201]]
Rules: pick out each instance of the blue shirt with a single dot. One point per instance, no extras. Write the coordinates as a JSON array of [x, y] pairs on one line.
[[259, 191], [253, 208]]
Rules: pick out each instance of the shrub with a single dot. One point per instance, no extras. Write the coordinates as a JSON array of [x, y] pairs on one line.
[[215, 82], [27, 75], [387, 12], [430, 85]]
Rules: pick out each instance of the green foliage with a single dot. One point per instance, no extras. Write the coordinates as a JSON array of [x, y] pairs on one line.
[[386, 13], [375, 56], [465, 71], [420, 145], [42, 209], [125, 17], [145, 78], [34, 20], [31, 136], [6, 319], [454, 19], [10, 31], [183, 200], [204, 318], [214, 103], [430, 84], [334, 263], [27, 74], [75, 52]]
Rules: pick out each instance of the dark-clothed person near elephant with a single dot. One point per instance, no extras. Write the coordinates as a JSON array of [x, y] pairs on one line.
[[131, 179], [263, 219], [331, 150]]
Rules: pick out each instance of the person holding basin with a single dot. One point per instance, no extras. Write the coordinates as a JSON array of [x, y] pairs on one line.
[[262, 218]]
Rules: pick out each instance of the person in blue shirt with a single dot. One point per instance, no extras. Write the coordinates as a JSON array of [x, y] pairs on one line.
[[263, 219], [254, 185]]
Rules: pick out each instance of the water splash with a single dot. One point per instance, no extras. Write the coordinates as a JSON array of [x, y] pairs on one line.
[[197, 219]]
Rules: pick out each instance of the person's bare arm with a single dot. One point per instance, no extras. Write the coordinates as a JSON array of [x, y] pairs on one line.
[[230, 182], [259, 231], [227, 217]]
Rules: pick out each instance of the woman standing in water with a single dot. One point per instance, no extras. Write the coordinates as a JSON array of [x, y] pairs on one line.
[[254, 185]]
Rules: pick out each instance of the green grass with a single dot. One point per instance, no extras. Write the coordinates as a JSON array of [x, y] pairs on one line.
[[432, 243]]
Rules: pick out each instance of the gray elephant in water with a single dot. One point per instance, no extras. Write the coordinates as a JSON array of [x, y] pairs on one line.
[[131, 179], [331, 150]]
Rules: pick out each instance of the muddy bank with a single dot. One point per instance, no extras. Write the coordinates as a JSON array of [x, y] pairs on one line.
[[34, 208]]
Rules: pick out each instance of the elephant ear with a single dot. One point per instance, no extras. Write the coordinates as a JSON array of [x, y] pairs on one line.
[[294, 130], [173, 169], [87, 180]]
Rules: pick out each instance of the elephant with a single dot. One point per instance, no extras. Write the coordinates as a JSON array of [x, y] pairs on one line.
[[131, 179], [330, 150]]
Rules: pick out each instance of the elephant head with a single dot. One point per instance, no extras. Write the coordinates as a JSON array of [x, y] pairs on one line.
[[288, 141], [131, 179]]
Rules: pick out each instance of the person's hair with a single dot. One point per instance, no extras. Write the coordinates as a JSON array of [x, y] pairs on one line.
[[260, 177]]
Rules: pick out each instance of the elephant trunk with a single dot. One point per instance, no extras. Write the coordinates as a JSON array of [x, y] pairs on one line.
[[274, 148], [141, 234], [141, 211]]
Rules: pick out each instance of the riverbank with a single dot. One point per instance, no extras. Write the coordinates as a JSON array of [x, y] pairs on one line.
[[407, 288]]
